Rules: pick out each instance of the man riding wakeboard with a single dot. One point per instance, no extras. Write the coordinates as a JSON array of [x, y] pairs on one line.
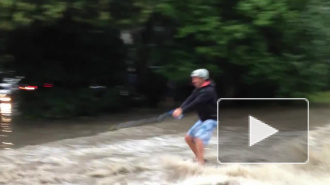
[[203, 99]]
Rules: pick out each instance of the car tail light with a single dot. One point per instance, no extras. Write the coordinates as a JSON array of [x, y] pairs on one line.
[[48, 85]]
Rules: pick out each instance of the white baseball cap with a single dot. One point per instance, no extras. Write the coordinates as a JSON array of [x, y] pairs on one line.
[[202, 73]]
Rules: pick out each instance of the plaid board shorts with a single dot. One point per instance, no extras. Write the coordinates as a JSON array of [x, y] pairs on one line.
[[203, 130]]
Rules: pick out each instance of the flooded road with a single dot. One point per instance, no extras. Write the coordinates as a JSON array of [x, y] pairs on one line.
[[23, 132], [86, 152]]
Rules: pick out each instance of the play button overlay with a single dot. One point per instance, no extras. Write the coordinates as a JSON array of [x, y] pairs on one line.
[[263, 130], [259, 130]]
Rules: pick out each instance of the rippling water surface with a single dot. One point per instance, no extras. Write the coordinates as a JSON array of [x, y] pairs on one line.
[[150, 154]]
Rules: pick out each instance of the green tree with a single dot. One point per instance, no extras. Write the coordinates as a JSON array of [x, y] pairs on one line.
[[281, 43]]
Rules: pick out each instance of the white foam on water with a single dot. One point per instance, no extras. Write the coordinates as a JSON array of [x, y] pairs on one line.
[[154, 159], [316, 172]]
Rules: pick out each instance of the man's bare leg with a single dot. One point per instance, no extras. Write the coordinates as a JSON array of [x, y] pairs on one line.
[[199, 150], [192, 145]]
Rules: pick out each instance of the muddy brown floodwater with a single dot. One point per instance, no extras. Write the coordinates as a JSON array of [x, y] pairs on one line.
[[85, 152]]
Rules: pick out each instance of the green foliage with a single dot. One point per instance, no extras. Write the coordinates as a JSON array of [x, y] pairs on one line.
[[64, 103], [277, 46], [87, 56], [283, 43], [319, 97]]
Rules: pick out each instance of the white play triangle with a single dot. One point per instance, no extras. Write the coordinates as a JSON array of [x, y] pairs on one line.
[[259, 130]]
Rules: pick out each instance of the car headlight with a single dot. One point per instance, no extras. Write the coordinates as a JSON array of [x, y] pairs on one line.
[[5, 98]]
